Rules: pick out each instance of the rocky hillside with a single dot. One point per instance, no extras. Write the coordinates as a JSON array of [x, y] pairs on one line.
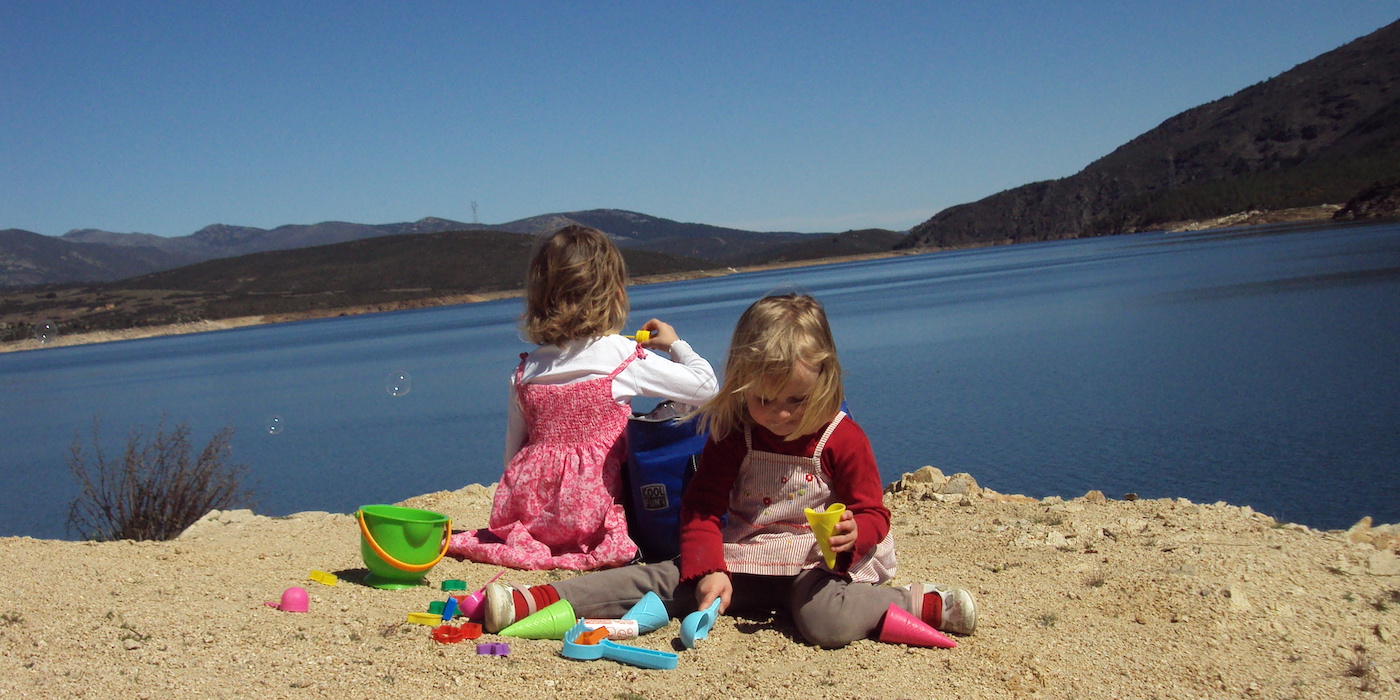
[[1318, 133], [28, 258], [386, 272], [1379, 201]]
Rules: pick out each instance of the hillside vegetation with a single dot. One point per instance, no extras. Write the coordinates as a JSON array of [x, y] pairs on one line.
[[387, 272], [394, 271], [1316, 134]]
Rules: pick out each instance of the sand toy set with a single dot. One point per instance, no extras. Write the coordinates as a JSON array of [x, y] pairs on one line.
[[400, 545]]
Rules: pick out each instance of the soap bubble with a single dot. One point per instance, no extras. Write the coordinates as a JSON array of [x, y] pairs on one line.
[[399, 384], [45, 331], [274, 425]]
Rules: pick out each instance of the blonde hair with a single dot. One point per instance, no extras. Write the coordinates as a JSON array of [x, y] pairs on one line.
[[575, 287], [774, 336]]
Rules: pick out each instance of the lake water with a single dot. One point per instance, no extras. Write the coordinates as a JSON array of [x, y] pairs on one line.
[[1258, 367]]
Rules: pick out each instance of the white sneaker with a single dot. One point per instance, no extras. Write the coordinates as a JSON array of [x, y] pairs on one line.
[[959, 608], [500, 607]]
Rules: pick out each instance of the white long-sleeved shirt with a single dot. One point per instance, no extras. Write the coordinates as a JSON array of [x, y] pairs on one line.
[[686, 377]]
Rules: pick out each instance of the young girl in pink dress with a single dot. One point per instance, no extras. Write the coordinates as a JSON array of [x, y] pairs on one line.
[[558, 505], [779, 443]]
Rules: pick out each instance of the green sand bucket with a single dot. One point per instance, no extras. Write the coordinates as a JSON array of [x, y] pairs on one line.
[[400, 544]]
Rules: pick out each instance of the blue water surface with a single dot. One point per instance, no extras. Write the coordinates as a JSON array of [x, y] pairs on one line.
[[1255, 366]]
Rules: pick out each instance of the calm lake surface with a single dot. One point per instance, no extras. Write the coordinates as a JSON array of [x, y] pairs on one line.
[[1257, 367]]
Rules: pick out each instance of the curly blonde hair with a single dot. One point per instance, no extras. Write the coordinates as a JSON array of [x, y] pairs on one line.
[[775, 335], [575, 287]]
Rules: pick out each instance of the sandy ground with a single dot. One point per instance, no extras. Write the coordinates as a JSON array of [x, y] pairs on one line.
[[1085, 598]]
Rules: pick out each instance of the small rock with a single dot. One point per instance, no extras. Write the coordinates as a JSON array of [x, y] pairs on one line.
[[1187, 568], [1387, 540], [1239, 602], [1383, 564], [1360, 533], [131, 645], [1095, 496], [961, 483], [927, 475], [1130, 497]]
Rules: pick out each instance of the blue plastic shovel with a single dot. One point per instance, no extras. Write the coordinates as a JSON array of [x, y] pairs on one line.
[[622, 653], [696, 626]]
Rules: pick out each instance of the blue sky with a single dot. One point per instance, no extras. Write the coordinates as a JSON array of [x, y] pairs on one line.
[[164, 117]]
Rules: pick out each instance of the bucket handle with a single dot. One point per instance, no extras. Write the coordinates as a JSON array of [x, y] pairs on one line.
[[414, 568]]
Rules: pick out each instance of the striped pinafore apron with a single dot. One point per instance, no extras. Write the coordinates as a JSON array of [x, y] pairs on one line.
[[766, 530]]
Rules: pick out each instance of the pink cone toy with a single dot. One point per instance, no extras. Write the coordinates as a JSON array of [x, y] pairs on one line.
[[900, 627]]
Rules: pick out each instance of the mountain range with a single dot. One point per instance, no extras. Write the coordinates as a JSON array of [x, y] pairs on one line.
[[378, 273], [92, 255]]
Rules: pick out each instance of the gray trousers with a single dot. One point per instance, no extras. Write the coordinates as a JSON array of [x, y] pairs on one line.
[[829, 610]]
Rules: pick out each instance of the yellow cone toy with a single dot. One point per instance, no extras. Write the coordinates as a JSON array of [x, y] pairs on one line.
[[823, 523]]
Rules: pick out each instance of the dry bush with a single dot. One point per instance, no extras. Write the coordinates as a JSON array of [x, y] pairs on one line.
[[154, 491]]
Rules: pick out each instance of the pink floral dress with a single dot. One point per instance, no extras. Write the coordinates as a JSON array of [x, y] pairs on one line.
[[559, 504]]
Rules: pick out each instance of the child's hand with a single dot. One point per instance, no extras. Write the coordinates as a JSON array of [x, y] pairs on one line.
[[662, 335], [711, 586], [843, 536]]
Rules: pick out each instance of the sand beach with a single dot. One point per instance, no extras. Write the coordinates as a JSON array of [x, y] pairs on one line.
[[1090, 597]]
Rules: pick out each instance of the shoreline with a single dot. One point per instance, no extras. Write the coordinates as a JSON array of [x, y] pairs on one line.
[[1240, 219], [138, 332]]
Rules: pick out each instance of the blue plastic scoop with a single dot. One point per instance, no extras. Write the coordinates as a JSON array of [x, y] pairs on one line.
[[622, 653], [696, 626]]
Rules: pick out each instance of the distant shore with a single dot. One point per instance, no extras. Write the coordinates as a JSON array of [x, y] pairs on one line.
[[1249, 218], [106, 336]]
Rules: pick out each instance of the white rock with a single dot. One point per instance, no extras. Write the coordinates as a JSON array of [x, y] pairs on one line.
[[1383, 564], [961, 483], [927, 475], [1239, 602]]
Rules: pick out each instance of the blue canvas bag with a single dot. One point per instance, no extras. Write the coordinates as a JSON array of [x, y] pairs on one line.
[[662, 454]]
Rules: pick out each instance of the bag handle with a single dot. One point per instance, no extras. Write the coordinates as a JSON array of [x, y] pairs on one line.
[[413, 568]]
